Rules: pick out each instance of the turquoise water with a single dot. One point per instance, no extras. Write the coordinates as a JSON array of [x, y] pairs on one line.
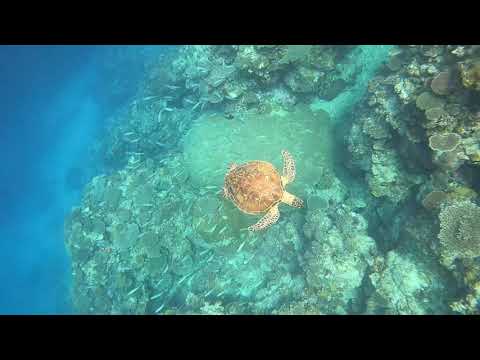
[[120, 196]]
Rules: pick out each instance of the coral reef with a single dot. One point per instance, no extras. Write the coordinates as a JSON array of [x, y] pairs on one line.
[[387, 147]]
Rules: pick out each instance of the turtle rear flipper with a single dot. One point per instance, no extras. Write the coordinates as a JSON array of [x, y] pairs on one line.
[[288, 167], [270, 218]]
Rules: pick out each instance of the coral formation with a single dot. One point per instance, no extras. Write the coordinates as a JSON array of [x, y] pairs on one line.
[[444, 142], [405, 286], [459, 231], [338, 260]]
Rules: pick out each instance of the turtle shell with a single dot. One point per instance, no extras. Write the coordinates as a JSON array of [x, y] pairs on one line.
[[254, 187]]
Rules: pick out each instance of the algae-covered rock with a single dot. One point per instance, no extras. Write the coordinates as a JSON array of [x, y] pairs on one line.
[[407, 286], [338, 260]]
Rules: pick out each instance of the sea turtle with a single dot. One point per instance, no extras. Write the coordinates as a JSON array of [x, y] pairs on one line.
[[256, 187]]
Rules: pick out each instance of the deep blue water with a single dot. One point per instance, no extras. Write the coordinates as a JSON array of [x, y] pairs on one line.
[[54, 101]]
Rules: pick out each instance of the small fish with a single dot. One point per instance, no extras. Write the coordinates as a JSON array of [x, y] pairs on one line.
[[245, 262], [149, 98], [183, 279], [189, 101], [168, 109], [172, 87], [241, 246], [210, 187], [156, 296], [159, 116], [213, 228], [159, 309], [222, 230], [258, 284], [221, 293], [134, 140], [129, 133], [209, 292], [132, 291], [210, 258], [204, 252], [165, 270]]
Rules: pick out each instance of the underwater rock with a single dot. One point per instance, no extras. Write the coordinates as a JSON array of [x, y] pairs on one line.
[[388, 177], [405, 286], [303, 79], [338, 260]]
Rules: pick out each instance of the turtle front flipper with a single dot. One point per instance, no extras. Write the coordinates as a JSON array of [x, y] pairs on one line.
[[288, 167], [232, 166], [292, 200], [270, 218]]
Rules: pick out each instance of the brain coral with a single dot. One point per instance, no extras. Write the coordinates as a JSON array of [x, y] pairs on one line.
[[214, 142], [459, 231]]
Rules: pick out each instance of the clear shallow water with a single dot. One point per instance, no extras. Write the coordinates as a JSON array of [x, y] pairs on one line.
[[113, 166]]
